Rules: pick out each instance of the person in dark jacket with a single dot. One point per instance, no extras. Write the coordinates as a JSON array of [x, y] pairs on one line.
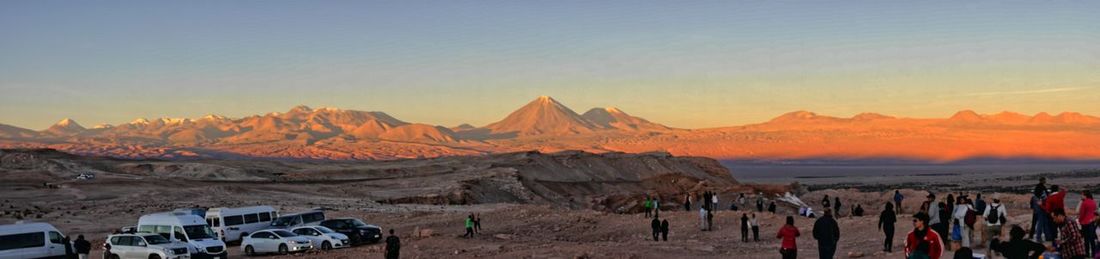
[[687, 202], [82, 247], [664, 230], [771, 207], [1017, 246], [656, 225], [827, 233], [393, 246], [886, 222], [836, 207], [744, 228]]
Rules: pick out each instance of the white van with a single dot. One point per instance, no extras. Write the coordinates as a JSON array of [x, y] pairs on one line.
[[187, 228], [232, 224], [308, 218], [32, 240]]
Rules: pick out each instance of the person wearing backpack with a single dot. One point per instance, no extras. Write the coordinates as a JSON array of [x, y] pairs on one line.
[[964, 217], [995, 217]]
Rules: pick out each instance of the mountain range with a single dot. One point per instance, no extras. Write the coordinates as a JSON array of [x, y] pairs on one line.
[[545, 124]]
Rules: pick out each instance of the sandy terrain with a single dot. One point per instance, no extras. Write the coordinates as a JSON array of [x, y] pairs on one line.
[[554, 227]]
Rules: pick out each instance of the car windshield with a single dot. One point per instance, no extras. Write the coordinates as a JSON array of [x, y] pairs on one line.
[[198, 231], [282, 221], [356, 222], [156, 239], [324, 230], [284, 233]]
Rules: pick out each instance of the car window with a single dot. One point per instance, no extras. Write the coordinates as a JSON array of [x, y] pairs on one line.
[[323, 229], [284, 221], [25, 240], [147, 229], [261, 235], [265, 216], [198, 231], [156, 239], [137, 241], [56, 238], [178, 232], [234, 220], [251, 218], [300, 231], [124, 241], [115, 240], [313, 217], [283, 233], [214, 222]]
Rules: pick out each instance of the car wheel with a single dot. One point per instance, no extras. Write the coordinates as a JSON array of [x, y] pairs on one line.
[[283, 250], [326, 246], [248, 251], [154, 256]]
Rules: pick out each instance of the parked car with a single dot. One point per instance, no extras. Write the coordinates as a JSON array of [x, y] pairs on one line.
[[274, 241], [33, 240], [355, 229], [187, 228], [322, 237], [145, 246], [233, 224], [289, 221]]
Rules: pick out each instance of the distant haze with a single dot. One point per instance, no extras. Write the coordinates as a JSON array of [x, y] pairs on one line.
[[687, 65]]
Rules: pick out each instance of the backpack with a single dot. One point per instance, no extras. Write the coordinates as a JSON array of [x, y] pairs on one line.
[[970, 218], [994, 216]]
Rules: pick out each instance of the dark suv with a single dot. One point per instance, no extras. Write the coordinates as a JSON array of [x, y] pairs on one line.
[[355, 229]]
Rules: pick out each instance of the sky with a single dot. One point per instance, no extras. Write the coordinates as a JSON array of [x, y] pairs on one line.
[[688, 64]]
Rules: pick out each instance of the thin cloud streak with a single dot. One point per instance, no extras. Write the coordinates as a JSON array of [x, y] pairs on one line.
[[1035, 91]]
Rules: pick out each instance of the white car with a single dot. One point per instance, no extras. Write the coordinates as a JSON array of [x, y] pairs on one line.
[[275, 241], [145, 245], [322, 237]]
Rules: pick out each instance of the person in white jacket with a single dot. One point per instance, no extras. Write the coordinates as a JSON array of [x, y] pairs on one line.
[[959, 217], [994, 216]]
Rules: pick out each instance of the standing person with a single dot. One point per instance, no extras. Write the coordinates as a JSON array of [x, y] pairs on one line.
[[1017, 247], [886, 221], [648, 205], [1086, 215], [979, 203], [1070, 243], [714, 201], [469, 226], [706, 200], [788, 233], [82, 247], [944, 224], [477, 223], [741, 199], [755, 228], [710, 220], [827, 233], [825, 202], [744, 227], [898, 198], [1038, 218], [664, 229], [703, 218], [771, 207], [951, 202], [923, 234], [962, 208], [995, 216], [836, 206], [1056, 200], [760, 202], [655, 224], [393, 246], [656, 207], [687, 202]]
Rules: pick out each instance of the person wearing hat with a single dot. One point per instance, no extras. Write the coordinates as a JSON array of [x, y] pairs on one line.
[[922, 233]]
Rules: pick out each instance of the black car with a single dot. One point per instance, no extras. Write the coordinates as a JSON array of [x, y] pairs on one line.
[[355, 229]]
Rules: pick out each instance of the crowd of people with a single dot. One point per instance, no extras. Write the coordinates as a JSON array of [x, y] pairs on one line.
[[956, 223]]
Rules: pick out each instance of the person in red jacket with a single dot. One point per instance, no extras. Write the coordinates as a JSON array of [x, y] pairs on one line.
[[788, 233], [922, 233], [1056, 200]]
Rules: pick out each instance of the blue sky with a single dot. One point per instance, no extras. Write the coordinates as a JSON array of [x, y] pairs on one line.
[[687, 64]]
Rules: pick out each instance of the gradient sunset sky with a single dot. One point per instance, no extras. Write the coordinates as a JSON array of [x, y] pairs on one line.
[[688, 64]]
